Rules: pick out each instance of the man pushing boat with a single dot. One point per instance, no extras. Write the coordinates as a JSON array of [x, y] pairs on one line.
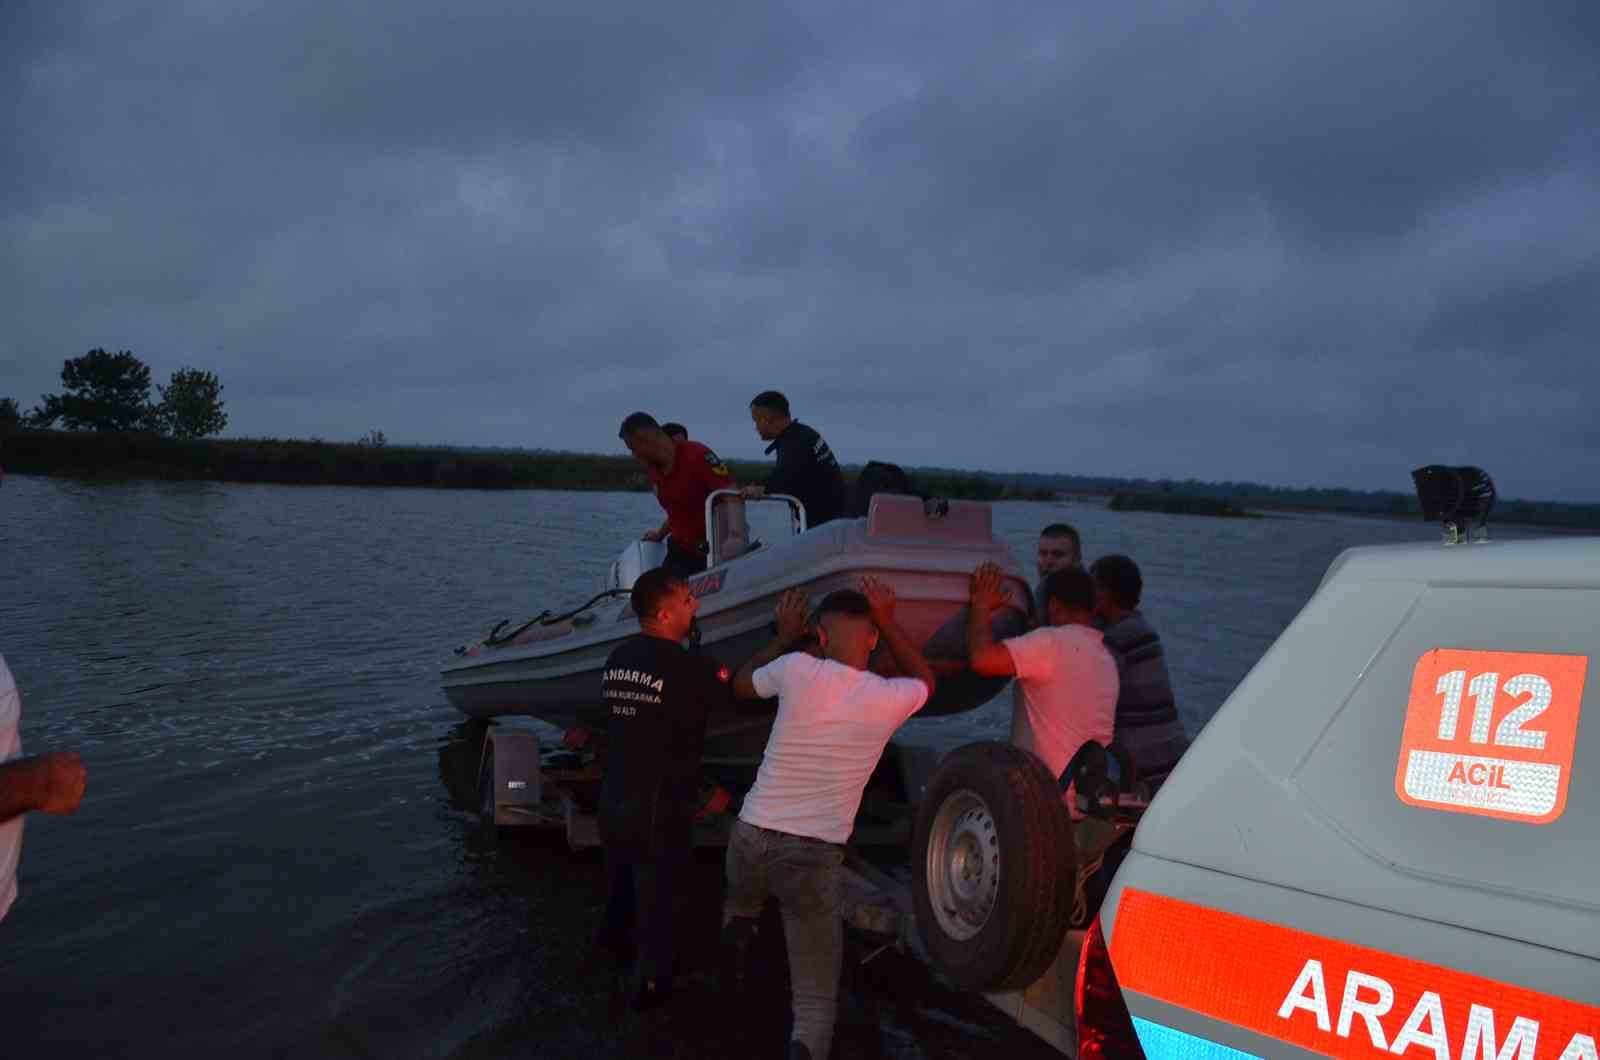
[[834, 719]]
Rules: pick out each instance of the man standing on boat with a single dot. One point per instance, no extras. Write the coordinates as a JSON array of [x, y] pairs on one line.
[[657, 695], [1066, 690], [806, 466], [834, 719], [684, 474]]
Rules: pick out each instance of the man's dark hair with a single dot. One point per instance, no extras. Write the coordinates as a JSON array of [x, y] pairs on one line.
[[1073, 587], [675, 428], [1066, 531], [772, 400], [1119, 578], [636, 422], [844, 602], [652, 588]]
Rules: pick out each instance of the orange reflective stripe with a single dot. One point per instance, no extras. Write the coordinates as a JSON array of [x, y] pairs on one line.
[[1333, 997]]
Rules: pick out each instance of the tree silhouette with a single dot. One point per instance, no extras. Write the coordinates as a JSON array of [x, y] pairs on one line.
[[104, 392], [10, 416], [191, 405]]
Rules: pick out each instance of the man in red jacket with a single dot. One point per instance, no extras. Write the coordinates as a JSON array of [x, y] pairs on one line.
[[684, 474]]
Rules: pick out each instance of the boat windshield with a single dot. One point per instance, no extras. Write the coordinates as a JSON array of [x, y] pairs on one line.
[[738, 527]]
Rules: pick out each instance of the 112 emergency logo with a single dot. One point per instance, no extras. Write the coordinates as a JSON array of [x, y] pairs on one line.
[[1491, 733]]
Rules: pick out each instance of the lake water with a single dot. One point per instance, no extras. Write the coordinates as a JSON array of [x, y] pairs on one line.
[[267, 861]]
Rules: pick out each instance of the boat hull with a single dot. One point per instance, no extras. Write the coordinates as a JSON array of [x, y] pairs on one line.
[[553, 673]]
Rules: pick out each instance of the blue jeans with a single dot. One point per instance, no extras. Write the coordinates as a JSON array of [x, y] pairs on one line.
[[804, 875]]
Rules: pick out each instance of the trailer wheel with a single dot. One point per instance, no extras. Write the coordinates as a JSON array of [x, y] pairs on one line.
[[993, 868]]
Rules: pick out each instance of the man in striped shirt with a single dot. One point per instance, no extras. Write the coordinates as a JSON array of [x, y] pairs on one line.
[[1147, 716]]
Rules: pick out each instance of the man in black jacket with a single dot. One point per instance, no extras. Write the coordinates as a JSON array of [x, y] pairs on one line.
[[806, 467], [657, 695]]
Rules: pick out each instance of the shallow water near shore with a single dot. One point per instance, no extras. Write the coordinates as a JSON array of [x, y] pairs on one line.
[[268, 861]]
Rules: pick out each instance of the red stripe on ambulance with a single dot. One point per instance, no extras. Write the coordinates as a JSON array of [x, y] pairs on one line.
[[1333, 997]]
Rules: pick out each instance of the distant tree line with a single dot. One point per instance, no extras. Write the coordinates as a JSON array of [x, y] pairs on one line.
[[104, 391], [114, 428], [374, 461], [1176, 504], [1288, 498]]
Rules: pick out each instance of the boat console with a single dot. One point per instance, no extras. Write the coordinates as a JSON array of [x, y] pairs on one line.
[[727, 517]]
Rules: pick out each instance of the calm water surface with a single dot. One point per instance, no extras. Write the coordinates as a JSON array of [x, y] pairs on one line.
[[267, 861]]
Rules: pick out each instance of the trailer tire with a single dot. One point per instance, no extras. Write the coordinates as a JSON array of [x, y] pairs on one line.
[[993, 867]]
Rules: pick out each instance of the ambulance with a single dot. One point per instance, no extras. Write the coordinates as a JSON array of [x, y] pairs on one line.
[[1387, 841]]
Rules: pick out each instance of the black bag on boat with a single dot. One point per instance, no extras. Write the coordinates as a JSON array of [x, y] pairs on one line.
[[876, 477]]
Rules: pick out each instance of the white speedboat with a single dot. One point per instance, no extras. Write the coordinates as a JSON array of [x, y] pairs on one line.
[[926, 550]]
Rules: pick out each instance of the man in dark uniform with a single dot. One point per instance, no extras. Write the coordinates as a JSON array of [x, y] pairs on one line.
[[806, 467], [683, 474], [657, 695]]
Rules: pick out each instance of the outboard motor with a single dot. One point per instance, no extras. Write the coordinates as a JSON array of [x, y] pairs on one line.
[[876, 477]]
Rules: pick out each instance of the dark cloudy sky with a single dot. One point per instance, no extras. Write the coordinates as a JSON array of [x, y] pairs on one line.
[[1305, 243]]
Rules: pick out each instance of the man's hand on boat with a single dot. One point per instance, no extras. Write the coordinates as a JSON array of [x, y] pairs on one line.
[[793, 615], [658, 534], [880, 600], [987, 593], [752, 492], [907, 657], [988, 590]]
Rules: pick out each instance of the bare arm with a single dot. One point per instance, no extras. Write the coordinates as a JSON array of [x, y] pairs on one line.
[[791, 617], [50, 782], [907, 656], [985, 656]]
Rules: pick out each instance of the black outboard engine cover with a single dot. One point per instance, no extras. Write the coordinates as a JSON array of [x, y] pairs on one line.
[[876, 477]]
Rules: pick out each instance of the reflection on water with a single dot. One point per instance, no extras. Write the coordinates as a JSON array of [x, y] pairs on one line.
[[267, 860]]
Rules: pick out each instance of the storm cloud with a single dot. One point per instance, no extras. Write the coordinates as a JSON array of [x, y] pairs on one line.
[[1299, 243]]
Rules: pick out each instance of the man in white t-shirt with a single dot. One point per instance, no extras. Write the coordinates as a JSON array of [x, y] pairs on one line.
[[49, 782], [834, 720], [1067, 685]]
